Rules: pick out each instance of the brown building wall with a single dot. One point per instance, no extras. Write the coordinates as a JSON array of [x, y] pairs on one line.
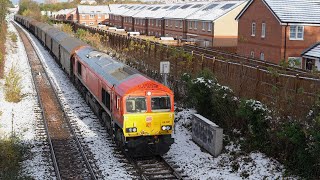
[[155, 27], [276, 45], [271, 44], [92, 20], [173, 28]]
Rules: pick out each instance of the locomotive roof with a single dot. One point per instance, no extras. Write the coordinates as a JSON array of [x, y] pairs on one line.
[[124, 78]]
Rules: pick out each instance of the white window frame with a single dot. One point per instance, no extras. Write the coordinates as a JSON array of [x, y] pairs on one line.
[[177, 23], [252, 54], [263, 30], [253, 29], [209, 26], [91, 16], [190, 24], [181, 23], [262, 56], [203, 26], [99, 16], [291, 59], [195, 25], [83, 16], [296, 32]]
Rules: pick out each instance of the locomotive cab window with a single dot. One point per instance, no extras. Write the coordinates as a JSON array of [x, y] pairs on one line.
[[106, 98], [160, 104], [79, 68], [136, 105]]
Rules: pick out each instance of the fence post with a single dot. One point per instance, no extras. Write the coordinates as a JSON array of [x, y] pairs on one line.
[[213, 63], [256, 90]]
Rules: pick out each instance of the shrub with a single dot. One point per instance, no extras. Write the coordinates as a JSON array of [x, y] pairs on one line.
[[13, 37], [13, 86], [256, 128], [11, 155]]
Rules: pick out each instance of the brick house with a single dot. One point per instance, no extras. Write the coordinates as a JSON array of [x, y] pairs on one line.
[[151, 20], [311, 57], [128, 20], [66, 14], [214, 25], [116, 18], [92, 15], [275, 30]]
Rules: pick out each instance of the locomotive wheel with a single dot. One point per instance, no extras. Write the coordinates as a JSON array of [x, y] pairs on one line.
[[120, 138]]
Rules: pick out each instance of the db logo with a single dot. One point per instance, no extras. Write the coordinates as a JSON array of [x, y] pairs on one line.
[[148, 121]]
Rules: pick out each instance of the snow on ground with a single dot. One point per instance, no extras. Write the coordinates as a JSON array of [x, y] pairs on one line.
[[87, 122], [197, 164], [20, 117], [231, 164]]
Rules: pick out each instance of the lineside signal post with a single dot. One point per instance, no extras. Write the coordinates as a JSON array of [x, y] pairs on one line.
[[165, 70]]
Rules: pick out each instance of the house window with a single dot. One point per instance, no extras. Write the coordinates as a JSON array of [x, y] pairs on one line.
[[253, 29], [170, 22], [99, 16], [166, 23], [296, 32], [177, 24], [203, 26], [91, 16], [84, 23], [295, 62], [151, 22], [190, 24], [252, 54], [262, 56], [157, 23], [83, 16], [263, 30], [90, 23], [209, 26], [195, 24], [181, 23]]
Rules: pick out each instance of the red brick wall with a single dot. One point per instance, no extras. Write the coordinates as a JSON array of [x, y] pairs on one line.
[[91, 21], [274, 46], [271, 44]]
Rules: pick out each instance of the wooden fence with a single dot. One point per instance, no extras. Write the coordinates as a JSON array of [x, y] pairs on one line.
[[292, 94]]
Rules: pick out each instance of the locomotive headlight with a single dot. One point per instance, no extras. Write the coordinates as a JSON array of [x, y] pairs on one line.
[[132, 129], [167, 127]]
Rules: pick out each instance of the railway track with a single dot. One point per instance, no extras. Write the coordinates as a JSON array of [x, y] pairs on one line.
[[156, 167], [69, 158], [73, 163]]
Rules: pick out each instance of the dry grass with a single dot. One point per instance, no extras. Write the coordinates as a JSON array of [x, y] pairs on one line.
[[13, 37], [13, 86]]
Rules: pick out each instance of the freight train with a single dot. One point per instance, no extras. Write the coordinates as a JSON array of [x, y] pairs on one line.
[[138, 112]]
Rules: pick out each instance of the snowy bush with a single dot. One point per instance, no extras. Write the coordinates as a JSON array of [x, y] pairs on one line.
[[13, 86], [256, 128], [11, 156]]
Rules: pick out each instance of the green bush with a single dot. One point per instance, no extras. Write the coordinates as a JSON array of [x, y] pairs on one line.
[[13, 37], [257, 127], [11, 156], [13, 86]]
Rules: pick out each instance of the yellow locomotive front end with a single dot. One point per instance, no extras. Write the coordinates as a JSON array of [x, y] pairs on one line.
[[148, 121]]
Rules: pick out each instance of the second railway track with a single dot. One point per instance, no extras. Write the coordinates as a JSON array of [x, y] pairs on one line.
[[69, 159]]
